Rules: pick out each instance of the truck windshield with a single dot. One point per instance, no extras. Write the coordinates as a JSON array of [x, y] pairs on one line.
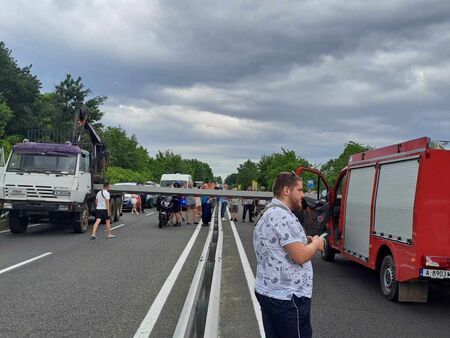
[[43, 163]]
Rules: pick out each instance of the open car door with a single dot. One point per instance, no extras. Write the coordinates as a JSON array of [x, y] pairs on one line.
[[315, 211]]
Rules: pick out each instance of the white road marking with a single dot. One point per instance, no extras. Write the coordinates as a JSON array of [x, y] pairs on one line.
[[150, 319], [151, 213], [24, 262], [248, 276], [30, 226], [117, 227]]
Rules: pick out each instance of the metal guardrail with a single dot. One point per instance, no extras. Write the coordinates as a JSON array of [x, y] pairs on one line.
[[212, 316], [200, 314], [124, 188]]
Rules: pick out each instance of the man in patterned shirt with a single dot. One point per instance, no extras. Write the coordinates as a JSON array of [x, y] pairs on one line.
[[284, 275]]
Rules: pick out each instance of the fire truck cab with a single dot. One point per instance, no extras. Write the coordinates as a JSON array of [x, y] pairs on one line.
[[390, 211]]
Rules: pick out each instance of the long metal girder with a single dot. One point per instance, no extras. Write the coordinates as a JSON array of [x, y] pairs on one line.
[[185, 191]]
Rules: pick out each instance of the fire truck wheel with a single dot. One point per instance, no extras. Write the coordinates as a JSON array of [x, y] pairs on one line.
[[388, 280], [328, 252], [17, 224], [81, 221]]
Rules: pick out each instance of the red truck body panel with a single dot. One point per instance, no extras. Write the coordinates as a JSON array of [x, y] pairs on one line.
[[431, 211]]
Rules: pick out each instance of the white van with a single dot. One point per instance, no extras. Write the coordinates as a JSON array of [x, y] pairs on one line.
[[169, 179]]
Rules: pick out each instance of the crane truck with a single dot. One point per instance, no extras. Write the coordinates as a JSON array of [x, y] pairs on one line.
[[56, 181]]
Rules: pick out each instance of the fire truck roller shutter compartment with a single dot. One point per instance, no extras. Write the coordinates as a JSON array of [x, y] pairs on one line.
[[358, 208], [395, 200]]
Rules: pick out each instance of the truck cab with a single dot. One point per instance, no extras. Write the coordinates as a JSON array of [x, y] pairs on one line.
[[43, 180]]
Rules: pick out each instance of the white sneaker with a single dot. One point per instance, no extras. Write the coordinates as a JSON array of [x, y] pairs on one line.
[[223, 219]]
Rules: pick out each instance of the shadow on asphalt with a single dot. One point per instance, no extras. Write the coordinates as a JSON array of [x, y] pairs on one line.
[[439, 291]]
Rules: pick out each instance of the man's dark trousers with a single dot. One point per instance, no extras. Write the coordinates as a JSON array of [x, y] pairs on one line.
[[249, 208], [286, 318], [206, 213]]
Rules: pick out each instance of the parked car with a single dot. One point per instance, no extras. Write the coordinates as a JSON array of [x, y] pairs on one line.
[[149, 202]]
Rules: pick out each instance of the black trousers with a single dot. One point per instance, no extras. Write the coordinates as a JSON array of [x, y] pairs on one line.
[[206, 213], [286, 318], [249, 208]]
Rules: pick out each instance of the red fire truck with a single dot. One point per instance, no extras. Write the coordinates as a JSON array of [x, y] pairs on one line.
[[390, 211]]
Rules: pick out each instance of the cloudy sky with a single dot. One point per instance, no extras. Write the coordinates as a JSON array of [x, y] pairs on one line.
[[226, 81]]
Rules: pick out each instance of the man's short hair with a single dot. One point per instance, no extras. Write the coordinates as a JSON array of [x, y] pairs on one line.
[[284, 179], [105, 184]]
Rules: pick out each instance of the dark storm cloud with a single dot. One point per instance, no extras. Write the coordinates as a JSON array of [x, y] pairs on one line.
[[248, 78]]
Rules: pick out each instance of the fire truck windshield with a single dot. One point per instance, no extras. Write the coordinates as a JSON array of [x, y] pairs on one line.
[[49, 163]]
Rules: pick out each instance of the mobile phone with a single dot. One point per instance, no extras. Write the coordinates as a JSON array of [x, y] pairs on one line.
[[323, 235]]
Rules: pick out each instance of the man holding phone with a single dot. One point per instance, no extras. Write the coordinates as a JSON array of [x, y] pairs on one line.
[[284, 275]]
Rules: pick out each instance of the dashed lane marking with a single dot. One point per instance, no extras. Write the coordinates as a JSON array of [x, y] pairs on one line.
[[30, 226], [117, 227], [150, 319], [25, 262], [151, 213], [248, 276]]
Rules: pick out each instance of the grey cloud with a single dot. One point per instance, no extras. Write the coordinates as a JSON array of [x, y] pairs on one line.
[[309, 75]]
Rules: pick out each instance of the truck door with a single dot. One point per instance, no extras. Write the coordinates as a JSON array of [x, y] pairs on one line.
[[336, 225], [315, 211], [85, 176]]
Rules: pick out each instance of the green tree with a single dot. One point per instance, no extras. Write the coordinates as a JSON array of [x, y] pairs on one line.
[[231, 180], [270, 166], [333, 167], [71, 95], [247, 173], [200, 171], [5, 115], [125, 151], [20, 91]]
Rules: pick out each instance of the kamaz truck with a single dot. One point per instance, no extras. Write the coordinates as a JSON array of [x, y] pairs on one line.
[[55, 181]]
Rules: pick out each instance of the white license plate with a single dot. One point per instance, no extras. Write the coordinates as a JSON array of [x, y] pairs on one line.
[[440, 274]]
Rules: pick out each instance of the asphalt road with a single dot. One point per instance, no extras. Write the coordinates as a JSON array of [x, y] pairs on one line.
[[92, 288], [347, 302], [104, 288]]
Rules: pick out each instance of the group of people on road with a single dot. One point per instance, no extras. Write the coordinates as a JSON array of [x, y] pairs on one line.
[[283, 290]]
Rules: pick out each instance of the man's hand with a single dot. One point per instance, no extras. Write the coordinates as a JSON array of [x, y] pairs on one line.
[[318, 243], [301, 253]]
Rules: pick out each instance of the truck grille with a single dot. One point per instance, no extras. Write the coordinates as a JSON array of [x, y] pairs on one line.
[[29, 191]]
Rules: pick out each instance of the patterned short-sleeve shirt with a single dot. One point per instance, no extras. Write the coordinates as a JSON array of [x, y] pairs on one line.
[[277, 275]]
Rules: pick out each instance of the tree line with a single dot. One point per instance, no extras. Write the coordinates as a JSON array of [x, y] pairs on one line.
[[23, 108], [264, 171]]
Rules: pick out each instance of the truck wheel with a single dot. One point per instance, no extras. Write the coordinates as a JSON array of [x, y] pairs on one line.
[[81, 221], [388, 280], [328, 252], [117, 213], [112, 210], [17, 224]]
